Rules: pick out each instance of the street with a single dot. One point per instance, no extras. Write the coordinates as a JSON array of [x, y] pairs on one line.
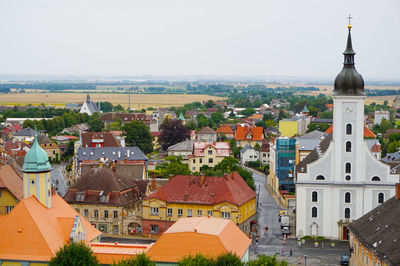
[[57, 178], [272, 242]]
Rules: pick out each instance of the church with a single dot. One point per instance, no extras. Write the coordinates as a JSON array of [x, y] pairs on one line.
[[341, 180]]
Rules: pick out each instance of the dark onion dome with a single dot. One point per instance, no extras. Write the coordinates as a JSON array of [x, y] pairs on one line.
[[349, 81]]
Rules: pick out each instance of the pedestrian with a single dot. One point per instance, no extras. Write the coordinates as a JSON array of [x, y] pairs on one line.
[[266, 230], [291, 251]]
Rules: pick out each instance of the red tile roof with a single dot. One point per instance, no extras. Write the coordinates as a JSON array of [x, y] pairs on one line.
[[108, 139], [225, 129], [205, 190], [10, 180], [221, 148], [207, 130], [256, 133], [376, 148]]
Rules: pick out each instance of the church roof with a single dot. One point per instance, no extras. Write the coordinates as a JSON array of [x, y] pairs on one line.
[[305, 109], [36, 159], [181, 117], [36, 233]]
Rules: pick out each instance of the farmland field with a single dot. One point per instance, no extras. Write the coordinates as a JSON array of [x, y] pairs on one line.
[[138, 101]]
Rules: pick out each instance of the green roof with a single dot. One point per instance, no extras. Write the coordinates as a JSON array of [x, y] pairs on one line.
[[36, 159], [181, 117], [305, 109]]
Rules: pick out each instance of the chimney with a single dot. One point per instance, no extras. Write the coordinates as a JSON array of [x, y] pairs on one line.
[[128, 152], [170, 177], [53, 190], [397, 191]]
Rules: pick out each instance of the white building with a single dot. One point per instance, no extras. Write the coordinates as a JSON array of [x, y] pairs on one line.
[[89, 107], [341, 179], [248, 154], [379, 115]]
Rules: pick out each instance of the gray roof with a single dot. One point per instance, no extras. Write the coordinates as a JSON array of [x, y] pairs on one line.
[[186, 145], [26, 132], [391, 157], [308, 144], [314, 135], [379, 231], [112, 153], [322, 120], [245, 148]]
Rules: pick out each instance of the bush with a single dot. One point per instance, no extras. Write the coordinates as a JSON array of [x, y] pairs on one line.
[[74, 254], [139, 260]]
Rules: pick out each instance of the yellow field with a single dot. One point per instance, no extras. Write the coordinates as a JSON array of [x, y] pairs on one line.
[[138, 101]]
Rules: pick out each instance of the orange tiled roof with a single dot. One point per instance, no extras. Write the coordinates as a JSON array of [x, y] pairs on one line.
[[206, 235], [329, 105], [35, 233], [212, 190], [107, 253], [10, 180], [256, 133], [256, 116], [367, 132], [376, 148], [225, 129]]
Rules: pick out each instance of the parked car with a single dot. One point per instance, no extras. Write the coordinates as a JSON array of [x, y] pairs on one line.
[[285, 230], [344, 259], [285, 221]]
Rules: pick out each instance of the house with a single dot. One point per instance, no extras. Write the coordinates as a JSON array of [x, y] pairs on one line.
[[109, 201], [226, 131], [183, 149], [64, 139], [76, 129], [42, 222], [227, 197], [341, 180], [294, 126], [123, 118], [373, 237], [307, 143], [207, 154], [11, 129], [248, 154], [265, 153], [52, 149], [207, 134], [25, 134], [208, 236], [99, 139], [73, 106], [380, 115], [89, 107], [248, 135], [11, 189]]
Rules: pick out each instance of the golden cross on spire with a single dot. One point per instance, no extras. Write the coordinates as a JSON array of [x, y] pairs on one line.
[[349, 18]]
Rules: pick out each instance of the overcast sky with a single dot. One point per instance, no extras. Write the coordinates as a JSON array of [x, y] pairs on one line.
[[202, 37]]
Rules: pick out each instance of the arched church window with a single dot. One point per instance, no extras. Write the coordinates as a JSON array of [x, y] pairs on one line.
[[348, 146], [320, 177], [347, 213], [381, 197], [348, 129], [347, 197], [314, 212], [348, 168], [376, 178], [314, 196]]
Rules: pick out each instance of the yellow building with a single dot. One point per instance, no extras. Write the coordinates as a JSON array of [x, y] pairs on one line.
[[11, 189], [226, 197], [288, 127], [207, 153], [52, 150]]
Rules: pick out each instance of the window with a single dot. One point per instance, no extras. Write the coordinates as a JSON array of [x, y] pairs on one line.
[[209, 213], [209, 152], [199, 213], [169, 212], [366, 257], [180, 212], [348, 177], [115, 229], [264, 155], [320, 177], [96, 214], [189, 213], [86, 213], [314, 212], [314, 196], [77, 210], [33, 182], [9, 208], [348, 168], [105, 214], [226, 215], [154, 229], [115, 214], [103, 228], [153, 210], [80, 196], [194, 160], [381, 197], [348, 146], [201, 160], [347, 213], [376, 178], [348, 129], [194, 168], [251, 156], [347, 197], [210, 160]]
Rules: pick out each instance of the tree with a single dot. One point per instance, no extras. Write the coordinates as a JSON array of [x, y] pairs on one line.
[[74, 254], [228, 164], [95, 123], [138, 134], [106, 107], [248, 111], [197, 260], [264, 260], [209, 104], [175, 167], [228, 259], [139, 260], [217, 117], [172, 132], [69, 152]]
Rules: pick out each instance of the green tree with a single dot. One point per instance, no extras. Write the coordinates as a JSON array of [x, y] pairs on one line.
[[209, 104], [228, 259], [248, 111], [393, 147], [217, 117], [138, 134], [106, 107], [95, 123], [197, 260], [174, 167], [172, 132], [139, 260], [264, 260], [318, 126], [74, 254], [228, 164], [247, 176], [69, 152], [257, 147]]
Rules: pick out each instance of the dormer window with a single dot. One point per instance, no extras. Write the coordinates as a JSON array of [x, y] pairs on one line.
[[248, 136], [80, 196]]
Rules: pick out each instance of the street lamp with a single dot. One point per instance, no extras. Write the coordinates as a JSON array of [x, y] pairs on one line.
[[305, 260]]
